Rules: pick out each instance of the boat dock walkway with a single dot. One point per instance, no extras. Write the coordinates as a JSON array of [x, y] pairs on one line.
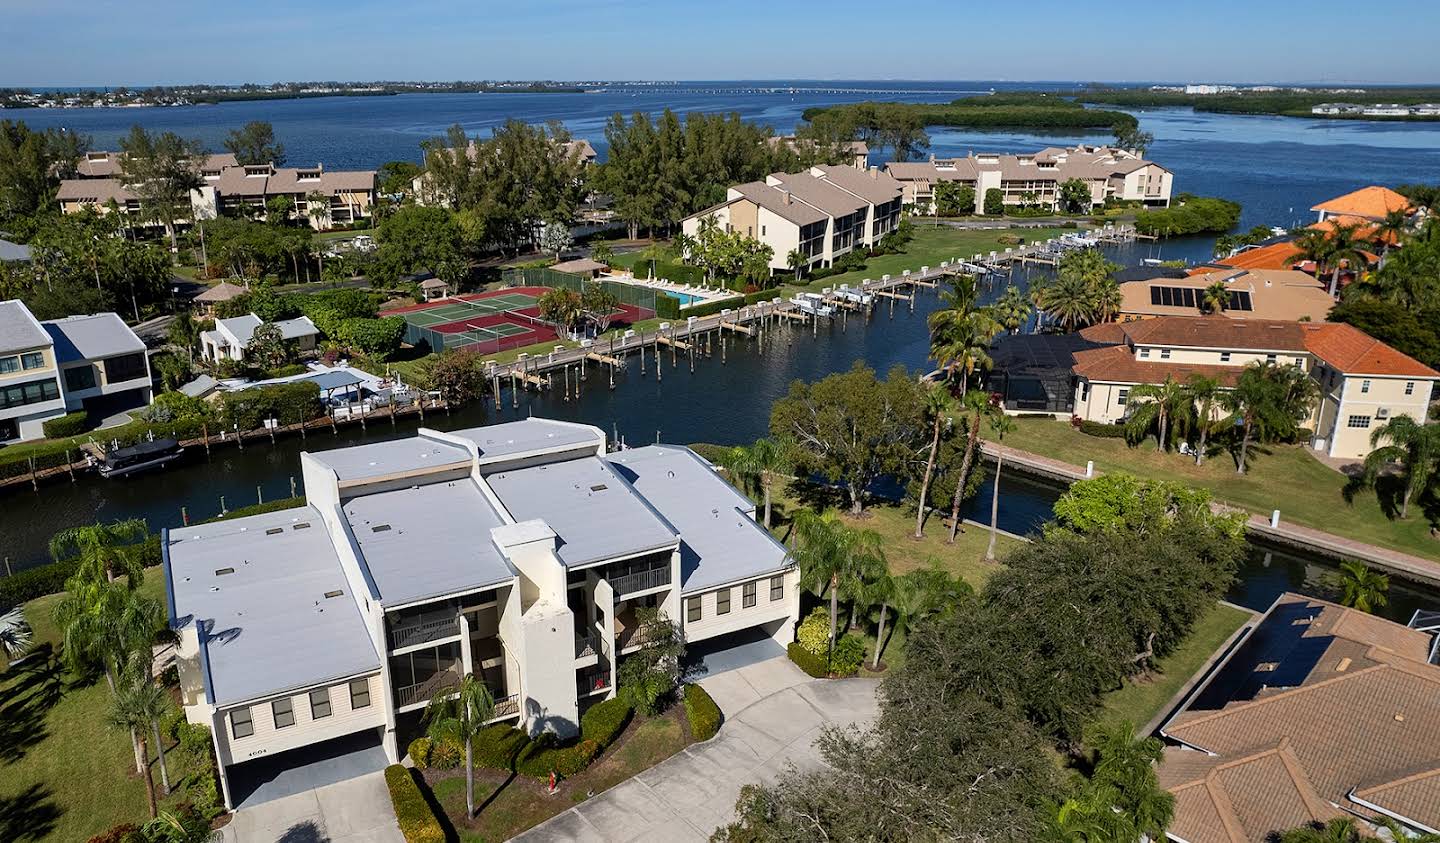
[[1398, 562]]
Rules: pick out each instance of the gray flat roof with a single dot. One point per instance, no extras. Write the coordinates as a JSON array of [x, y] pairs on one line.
[[719, 542], [594, 511], [92, 337], [427, 541], [18, 329], [498, 441], [396, 456], [268, 625], [13, 251]]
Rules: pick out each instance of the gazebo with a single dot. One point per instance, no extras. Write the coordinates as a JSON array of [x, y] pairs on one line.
[[584, 267], [433, 288], [222, 292]]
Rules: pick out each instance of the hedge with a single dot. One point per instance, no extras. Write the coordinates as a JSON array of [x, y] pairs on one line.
[[50, 578], [848, 655], [287, 403], [412, 812], [545, 755], [15, 460], [419, 752], [70, 424], [807, 661], [1102, 430], [604, 721], [703, 713], [497, 746], [259, 509]]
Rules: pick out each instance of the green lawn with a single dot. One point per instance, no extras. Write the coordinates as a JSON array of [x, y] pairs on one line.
[[1144, 697], [509, 805], [64, 774], [1281, 477]]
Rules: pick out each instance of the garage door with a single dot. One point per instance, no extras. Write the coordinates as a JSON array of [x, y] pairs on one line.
[[306, 768]]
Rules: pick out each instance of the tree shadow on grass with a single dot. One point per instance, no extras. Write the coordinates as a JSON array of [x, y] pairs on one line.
[[816, 496], [1389, 491], [31, 689], [28, 815]]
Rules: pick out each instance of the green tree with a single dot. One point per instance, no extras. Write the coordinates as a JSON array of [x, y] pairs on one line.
[[1215, 298], [398, 177], [254, 143], [603, 252], [1162, 406], [600, 305], [648, 678], [1129, 137], [458, 716], [563, 307], [1075, 196], [1334, 249], [106, 623], [1206, 397], [1000, 424], [1360, 587], [162, 170], [953, 199], [268, 348], [105, 551], [456, 375], [1012, 310], [961, 333], [278, 210], [977, 408], [555, 238], [939, 413], [795, 259], [835, 559], [416, 238], [852, 427], [1338, 830], [766, 461], [994, 202], [1390, 231], [1268, 400], [1123, 799], [1415, 447], [31, 166], [136, 707]]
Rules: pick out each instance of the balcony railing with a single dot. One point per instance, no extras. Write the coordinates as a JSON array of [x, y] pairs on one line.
[[423, 630], [633, 637], [589, 683], [506, 707], [445, 680], [587, 645], [631, 583]]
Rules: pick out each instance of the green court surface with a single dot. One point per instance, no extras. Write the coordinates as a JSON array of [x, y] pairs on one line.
[[458, 311]]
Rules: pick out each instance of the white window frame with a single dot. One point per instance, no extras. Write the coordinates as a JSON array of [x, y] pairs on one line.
[[365, 684], [276, 712], [324, 702], [248, 723], [1365, 387], [722, 608]]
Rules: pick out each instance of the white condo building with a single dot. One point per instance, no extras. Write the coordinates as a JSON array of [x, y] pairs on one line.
[[518, 552]]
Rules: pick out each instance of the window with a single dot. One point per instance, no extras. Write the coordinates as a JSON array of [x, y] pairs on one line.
[[319, 703], [31, 392], [80, 377], [1224, 357], [747, 595], [360, 693], [1085, 390], [1164, 354], [32, 360], [124, 368], [1269, 358], [1409, 387], [284, 712], [1364, 387], [777, 588], [762, 231], [241, 725], [1123, 397], [9, 364], [1358, 421], [722, 601], [692, 609], [1144, 353]]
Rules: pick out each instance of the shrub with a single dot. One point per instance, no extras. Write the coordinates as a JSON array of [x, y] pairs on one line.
[[807, 661], [286, 402], [497, 746], [546, 754], [604, 721], [994, 202], [1010, 240], [1102, 430], [1190, 215], [814, 632], [417, 822], [123, 833], [446, 755], [702, 712], [420, 752], [848, 656], [36, 582], [667, 307], [70, 424]]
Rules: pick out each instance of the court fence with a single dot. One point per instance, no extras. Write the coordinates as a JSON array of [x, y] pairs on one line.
[[631, 294], [441, 342]]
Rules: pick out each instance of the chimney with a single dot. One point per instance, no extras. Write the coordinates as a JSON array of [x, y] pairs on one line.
[[785, 196], [874, 173]]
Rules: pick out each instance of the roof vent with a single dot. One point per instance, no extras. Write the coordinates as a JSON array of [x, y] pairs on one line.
[[1343, 666], [330, 594], [220, 572], [1399, 718], [599, 487], [303, 525], [274, 531], [380, 528]]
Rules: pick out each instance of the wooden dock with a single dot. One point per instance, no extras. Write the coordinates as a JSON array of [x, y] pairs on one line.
[[678, 345], [737, 328], [605, 359]]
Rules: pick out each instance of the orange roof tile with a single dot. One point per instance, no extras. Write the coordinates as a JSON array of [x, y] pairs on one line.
[[1354, 352], [1275, 256], [1118, 364], [1372, 202]]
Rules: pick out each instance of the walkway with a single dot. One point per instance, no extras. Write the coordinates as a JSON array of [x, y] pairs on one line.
[[773, 713], [1406, 564], [354, 811]]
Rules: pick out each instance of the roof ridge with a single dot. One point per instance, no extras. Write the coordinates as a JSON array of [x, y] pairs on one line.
[[1433, 770], [1225, 811], [1303, 785], [1232, 708]]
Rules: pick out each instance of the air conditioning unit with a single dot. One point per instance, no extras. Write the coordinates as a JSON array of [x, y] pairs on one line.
[[1382, 413]]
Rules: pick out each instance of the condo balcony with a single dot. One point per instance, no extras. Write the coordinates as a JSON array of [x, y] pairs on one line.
[[640, 580], [423, 628]]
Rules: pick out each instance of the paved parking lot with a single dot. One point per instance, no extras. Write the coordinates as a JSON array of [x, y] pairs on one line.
[[773, 713]]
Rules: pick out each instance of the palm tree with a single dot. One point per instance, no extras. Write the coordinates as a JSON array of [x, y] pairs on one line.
[[136, 707], [1332, 248], [1415, 446], [925, 592], [977, 407], [1000, 425], [1215, 298], [1205, 397], [939, 408], [961, 332], [318, 207], [1389, 231], [1338, 830], [879, 589], [1126, 762], [796, 261], [834, 557], [1157, 405], [15, 632], [1268, 399], [1360, 587], [105, 551], [108, 623], [765, 461], [1068, 301], [459, 716], [1012, 309]]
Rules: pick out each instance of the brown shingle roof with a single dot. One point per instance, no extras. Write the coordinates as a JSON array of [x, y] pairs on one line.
[[819, 193], [1243, 799], [1416, 795], [224, 291], [93, 191], [1117, 364], [1352, 351], [773, 200], [873, 186], [1217, 332]]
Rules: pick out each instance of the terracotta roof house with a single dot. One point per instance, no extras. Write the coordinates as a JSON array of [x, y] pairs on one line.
[[1321, 712], [1252, 294], [1369, 203], [1362, 382]]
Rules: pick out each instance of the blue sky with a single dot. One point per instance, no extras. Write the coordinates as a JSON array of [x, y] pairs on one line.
[[110, 42]]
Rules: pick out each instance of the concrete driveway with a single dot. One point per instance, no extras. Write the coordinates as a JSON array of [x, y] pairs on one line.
[[353, 811], [773, 713]]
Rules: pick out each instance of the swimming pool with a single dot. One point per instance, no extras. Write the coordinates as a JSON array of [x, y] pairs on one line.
[[685, 298]]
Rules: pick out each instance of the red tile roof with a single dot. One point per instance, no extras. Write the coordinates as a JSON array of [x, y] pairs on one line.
[[1118, 364], [1372, 202], [1354, 352], [1217, 331], [1275, 256]]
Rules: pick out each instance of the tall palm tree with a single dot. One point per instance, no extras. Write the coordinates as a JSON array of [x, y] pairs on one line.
[[1205, 396], [878, 589], [105, 551], [939, 408], [459, 716], [1268, 400], [1126, 762], [1333, 249], [1215, 298], [1106, 300], [15, 632], [977, 407], [1067, 301], [1390, 231], [1000, 424], [1012, 310], [961, 332], [833, 557], [1360, 587], [766, 461], [1416, 447], [1157, 405], [135, 707], [107, 623], [795, 259]]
